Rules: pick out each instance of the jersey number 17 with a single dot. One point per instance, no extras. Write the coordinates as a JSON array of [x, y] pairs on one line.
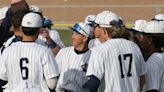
[[125, 56]]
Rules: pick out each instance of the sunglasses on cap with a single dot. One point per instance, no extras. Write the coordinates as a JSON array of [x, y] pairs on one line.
[[111, 23], [157, 19], [95, 25], [78, 29]]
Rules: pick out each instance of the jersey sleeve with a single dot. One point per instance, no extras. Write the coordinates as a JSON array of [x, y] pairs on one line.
[[154, 73], [3, 70], [96, 64], [50, 66], [58, 60], [141, 65], [56, 38]]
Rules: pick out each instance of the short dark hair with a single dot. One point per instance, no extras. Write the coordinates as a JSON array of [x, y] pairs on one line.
[[30, 31], [158, 39], [17, 17]]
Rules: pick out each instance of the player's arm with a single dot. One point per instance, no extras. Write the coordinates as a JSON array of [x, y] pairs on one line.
[[56, 37], [50, 69], [153, 90], [142, 81], [17, 5], [92, 84], [52, 82], [2, 83], [3, 71], [93, 71], [55, 47]]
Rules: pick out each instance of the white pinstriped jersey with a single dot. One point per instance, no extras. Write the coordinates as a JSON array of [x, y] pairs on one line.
[[94, 42], [120, 62], [71, 65], [154, 77], [54, 36], [26, 66], [8, 43]]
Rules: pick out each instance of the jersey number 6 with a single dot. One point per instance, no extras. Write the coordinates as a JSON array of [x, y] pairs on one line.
[[24, 68]]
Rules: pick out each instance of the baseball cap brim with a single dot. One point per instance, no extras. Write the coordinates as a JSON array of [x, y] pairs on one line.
[[73, 29]]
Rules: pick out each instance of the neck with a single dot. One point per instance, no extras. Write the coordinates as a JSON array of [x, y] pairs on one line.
[[152, 50], [29, 38], [105, 38], [83, 47], [18, 33]]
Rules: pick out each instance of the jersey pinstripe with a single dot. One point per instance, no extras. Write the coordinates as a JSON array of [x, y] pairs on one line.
[[72, 70], [154, 77], [120, 62], [54, 36], [26, 66], [9, 42], [94, 42]]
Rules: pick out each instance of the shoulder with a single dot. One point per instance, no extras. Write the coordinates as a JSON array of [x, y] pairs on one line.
[[67, 49], [8, 42], [11, 47], [156, 59], [64, 52], [41, 47]]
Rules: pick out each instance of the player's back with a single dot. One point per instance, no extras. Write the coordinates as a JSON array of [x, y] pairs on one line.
[[123, 65], [25, 67], [154, 77]]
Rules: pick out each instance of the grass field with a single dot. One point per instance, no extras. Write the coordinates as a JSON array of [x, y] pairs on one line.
[[65, 35]]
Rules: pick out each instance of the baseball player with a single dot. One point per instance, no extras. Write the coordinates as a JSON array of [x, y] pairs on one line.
[[118, 60], [137, 32], [73, 66], [48, 35], [3, 12], [159, 17], [90, 20], [16, 5], [18, 11], [26, 65], [46, 38], [152, 42], [16, 19], [93, 43]]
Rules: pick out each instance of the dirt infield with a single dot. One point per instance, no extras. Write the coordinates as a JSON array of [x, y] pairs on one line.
[[71, 11]]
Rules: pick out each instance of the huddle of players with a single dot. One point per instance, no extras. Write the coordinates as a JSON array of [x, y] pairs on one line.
[[109, 63]]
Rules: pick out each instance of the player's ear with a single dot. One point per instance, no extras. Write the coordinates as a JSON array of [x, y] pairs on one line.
[[85, 39]]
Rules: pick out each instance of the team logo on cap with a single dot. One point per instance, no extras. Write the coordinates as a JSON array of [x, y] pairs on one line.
[[29, 23]]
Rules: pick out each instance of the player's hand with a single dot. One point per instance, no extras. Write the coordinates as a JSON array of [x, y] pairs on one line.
[[162, 49], [45, 34]]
